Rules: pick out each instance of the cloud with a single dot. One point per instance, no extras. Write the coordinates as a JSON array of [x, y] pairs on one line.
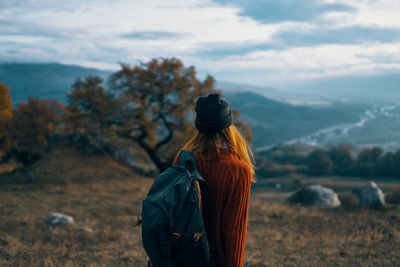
[[311, 62], [17, 28], [345, 35], [157, 35], [128, 30], [272, 11], [219, 51], [251, 41], [35, 5], [376, 13]]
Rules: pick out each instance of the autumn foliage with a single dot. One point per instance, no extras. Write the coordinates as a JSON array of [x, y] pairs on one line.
[[5, 103], [30, 129], [148, 107], [150, 104]]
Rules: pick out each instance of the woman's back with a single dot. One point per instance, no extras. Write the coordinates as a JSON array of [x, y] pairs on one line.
[[225, 161], [225, 204]]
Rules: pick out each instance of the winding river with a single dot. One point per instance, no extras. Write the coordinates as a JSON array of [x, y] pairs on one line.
[[339, 131]]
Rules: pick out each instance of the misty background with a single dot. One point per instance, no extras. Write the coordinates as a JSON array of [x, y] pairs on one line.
[[327, 72]]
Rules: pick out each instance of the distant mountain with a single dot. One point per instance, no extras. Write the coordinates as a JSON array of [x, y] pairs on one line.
[[383, 88], [229, 87], [270, 92], [273, 121], [48, 80], [373, 87]]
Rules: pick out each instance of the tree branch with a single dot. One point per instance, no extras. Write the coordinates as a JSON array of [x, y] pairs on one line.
[[168, 137]]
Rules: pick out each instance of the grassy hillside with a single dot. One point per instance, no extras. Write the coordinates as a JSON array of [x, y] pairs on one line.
[[106, 197]]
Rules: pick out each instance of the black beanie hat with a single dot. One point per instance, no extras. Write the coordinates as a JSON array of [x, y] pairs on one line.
[[213, 114]]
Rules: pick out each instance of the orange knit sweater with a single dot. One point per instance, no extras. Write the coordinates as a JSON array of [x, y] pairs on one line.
[[226, 204]]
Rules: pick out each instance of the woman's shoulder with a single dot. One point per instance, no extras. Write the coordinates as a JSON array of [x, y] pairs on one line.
[[237, 176], [237, 165], [237, 169]]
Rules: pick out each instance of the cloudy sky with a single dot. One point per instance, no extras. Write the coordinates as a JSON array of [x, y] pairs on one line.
[[261, 42]]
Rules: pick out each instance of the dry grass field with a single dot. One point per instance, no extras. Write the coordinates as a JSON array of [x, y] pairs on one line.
[[105, 196]]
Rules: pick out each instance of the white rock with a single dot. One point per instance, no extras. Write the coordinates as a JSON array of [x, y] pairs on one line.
[[56, 218], [371, 195], [315, 195], [87, 230]]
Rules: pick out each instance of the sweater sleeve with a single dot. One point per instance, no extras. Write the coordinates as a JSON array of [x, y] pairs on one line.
[[236, 219]]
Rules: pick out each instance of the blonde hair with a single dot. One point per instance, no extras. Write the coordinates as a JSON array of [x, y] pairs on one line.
[[203, 142]]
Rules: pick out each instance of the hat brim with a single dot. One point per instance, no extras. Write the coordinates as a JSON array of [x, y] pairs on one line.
[[216, 125]]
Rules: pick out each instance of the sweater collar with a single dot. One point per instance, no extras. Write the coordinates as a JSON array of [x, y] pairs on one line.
[[222, 154]]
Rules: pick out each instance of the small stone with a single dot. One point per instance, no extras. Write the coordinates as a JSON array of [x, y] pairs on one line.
[[87, 230], [56, 218]]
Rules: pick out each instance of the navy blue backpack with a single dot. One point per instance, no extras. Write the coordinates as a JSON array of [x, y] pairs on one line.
[[173, 231]]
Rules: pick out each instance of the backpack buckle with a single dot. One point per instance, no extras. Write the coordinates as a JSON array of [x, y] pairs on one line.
[[197, 236], [178, 235]]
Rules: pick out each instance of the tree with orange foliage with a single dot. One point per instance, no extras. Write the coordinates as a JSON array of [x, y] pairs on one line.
[[92, 109], [5, 115], [156, 101], [150, 104], [5, 103], [30, 129]]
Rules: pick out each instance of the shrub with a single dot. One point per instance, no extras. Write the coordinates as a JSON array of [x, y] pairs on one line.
[[297, 182], [267, 168], [349, 200], [367, 161], [393, 197], [343, 161], [31, 128], [319, 162]]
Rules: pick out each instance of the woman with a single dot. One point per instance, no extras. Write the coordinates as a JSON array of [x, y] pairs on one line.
[[225, 161]]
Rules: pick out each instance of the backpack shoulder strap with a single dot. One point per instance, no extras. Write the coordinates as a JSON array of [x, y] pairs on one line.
[[186, 157]]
